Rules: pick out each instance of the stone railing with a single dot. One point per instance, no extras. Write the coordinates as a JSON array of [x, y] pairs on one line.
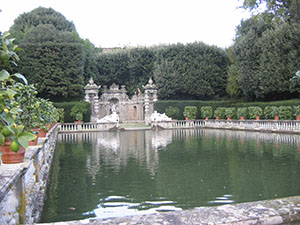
[[23, 185], [289, 126], [86, 127]]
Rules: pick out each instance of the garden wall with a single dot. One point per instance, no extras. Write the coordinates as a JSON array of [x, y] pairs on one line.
[[22, 185]]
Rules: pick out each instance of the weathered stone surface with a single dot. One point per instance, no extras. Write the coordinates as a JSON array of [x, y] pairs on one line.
[[22, 185], [278, 211]]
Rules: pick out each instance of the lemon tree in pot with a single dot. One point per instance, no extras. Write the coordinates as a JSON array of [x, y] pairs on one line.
[[13, 137]]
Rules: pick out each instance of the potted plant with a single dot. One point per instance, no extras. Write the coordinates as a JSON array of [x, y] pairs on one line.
[[219, 113], [271, 112], [77, 112], [206, 112], [13, 137], [172, 111], [255, 112], [285, 112], [242, 113], [190, 112], [297, 112], [230, 112]]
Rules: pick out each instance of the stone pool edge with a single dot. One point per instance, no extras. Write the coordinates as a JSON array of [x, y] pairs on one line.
[[276, 211]]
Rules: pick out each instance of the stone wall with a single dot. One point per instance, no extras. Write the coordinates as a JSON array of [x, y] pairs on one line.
[[285, 126], [22, 185]]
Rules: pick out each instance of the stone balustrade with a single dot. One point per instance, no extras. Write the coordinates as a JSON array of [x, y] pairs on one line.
[[86, 127], [23, 185], [289, 126]]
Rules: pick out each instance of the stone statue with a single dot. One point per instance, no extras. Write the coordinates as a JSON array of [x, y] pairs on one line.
[[112, 118], [159, 117]]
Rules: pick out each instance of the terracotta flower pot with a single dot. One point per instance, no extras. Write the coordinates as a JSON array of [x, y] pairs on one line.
[[276, 117], [34, 142], [217, 118], [228, 118], [186, 118], [9, 157], [39, 132], [206, 118], [298, 117], [257, 117], [242, 118]]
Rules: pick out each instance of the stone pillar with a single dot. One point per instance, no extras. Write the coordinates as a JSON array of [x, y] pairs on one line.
[[91, 96], [150, 98], [147, 109]]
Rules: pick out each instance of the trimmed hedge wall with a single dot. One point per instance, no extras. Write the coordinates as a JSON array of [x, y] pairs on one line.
[[67, 106], [160, 106]]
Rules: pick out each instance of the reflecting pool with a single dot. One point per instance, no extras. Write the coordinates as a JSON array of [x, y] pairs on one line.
[[113, 174]]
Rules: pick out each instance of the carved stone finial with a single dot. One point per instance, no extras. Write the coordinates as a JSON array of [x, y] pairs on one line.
[[91, 81], [150, 81]]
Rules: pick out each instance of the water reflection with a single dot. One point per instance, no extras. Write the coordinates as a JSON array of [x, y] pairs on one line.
[[109, 174]]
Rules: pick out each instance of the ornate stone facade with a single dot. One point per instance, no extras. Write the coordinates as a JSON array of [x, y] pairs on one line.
[[113, 99]]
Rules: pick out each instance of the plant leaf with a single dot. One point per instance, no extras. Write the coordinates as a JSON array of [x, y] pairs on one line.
[[20, 76], [4, 75], [25, 137], [2, 139]]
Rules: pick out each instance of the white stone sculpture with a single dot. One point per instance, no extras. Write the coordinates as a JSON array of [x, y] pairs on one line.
[[159, 117], [112, 118]]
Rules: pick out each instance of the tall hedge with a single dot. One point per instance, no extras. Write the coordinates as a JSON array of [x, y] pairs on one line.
[[191, 71], [131, 67], [55, 68]]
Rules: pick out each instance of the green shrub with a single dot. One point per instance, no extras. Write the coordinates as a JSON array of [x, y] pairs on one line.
[[230, 112], [172, 112], [242, 112], [67, 106], [206, 111], [254, 111], [220, 112], [285, 112], [190, 112], [296, 110], [270, 112]]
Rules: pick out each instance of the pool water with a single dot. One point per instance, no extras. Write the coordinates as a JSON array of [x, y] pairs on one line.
[[114, 174]]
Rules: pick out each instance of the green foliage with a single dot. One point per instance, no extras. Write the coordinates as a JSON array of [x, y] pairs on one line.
[[243, 111], [270, 112], [190, 112], [220, 112], [230, 112], [55, 69], [296, 110], [78, 110], [26, 22], [172, 112], [130, 67], [276, 11], [206, 111], [286, 112], [55, 58], [67, 107], [254, 111], [191, 71], [266, 58]]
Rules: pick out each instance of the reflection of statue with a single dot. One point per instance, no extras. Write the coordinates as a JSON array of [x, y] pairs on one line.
[[160, 117]]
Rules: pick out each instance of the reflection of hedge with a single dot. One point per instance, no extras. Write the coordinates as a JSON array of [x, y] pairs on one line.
[[67, 106]]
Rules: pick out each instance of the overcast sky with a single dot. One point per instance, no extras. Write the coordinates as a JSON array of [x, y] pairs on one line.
[[119, 23]]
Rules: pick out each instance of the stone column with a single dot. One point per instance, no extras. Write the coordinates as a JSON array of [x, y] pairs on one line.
[[91, 96]]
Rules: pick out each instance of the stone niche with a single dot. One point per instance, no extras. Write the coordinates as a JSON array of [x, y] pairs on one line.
[[115, 99]]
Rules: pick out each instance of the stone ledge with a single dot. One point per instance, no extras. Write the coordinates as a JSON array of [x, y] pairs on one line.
[[277, 211]]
